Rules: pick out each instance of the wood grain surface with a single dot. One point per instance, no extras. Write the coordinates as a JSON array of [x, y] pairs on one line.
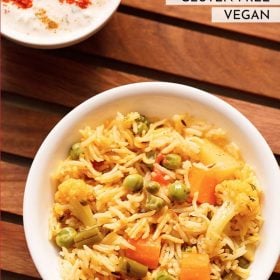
[[61, 77], [24, 130], [18, 259], [144, 41], [188, 53], [79, 78], [202, 15], [13, 178]]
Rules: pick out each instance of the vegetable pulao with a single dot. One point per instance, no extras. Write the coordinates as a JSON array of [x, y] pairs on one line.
[[141, 198]]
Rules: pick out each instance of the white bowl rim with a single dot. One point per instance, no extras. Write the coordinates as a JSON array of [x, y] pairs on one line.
[[70, 39], [130, 89]]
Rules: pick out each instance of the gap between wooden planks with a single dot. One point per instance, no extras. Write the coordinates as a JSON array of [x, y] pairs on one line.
[[14, 255], [188, 53], [202, 15], [21, 262]]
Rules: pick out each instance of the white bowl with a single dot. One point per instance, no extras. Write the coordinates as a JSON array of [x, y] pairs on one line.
[[152, 99], [63, 40]]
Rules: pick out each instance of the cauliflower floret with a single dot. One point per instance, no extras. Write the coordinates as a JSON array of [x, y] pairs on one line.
[[238, 197], [73, 189], [77, 193]]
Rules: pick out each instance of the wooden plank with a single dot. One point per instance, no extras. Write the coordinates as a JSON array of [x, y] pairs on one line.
[[8, 275], [23, 130], [202, 15], [14, 255], [21, 262], [51, 83], [61, 80], [188, 53], [13, 178]]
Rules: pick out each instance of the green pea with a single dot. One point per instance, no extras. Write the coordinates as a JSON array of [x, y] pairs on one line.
[[152, 187], [143, 119], [133, 182], [178, 191], [243, 262], [65, 238], [142, 125], [172, 161], [154, 203], [75, 151], [132, 268], [142, 128], [163, 275], [88, 237]]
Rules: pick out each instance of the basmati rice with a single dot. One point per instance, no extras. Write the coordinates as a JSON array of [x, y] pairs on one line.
[[116, 149]]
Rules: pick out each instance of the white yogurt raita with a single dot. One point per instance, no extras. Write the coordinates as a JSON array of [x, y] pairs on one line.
[[49, 19]]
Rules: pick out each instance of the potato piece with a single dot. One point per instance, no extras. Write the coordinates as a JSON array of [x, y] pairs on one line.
[[224, 165]]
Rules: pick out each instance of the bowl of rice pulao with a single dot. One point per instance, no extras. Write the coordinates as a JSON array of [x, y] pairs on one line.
[[155, 181]]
